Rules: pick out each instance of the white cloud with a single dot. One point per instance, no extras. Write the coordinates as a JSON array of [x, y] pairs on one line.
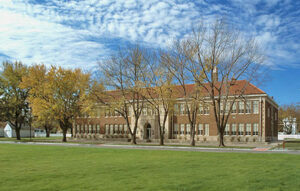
[[59, 32]]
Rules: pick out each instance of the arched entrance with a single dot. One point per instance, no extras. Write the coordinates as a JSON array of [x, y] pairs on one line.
[[147, 131]]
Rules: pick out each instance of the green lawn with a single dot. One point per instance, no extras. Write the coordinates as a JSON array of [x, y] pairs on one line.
[[292, 144], [33, 167], [34, 139]]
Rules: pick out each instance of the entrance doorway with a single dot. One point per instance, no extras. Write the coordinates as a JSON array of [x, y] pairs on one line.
[[147, 131]]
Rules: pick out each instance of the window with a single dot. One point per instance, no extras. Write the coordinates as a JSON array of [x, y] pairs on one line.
[[107, 129], [227, 107], [226, 131], [248, 129], [93, 128], [121, 129], [107, 113], [149, 111], [255, 129], [176, 109], [206, 109], [182, 109], [233, 129], [233, 108], [269, 111], [188, 129], [111, 129], [182, 129], [144, 111], [201, 109], [98, 129], [116, 129], [221, 108], [275, 115], [78, 129], [86, 128], [90, 129], [98, 112], [206, 129], [248, 107], [241, 129], [175, 129], [255, 107], [200, 129], [241, 107], [125, 129]]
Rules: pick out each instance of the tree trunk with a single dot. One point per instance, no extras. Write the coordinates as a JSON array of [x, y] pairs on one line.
[[133, 139], [221, 140], [65, 134], [71, 130], [193, 135], [193, 139], [161, 141], [47, 132], [18, 133]]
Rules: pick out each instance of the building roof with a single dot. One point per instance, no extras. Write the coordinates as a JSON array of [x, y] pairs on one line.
[[236, 88], [24, 127], [2, 125]]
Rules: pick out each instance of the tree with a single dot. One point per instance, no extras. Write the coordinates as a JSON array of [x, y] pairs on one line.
[[288, 115], [159, 92], [58, 93], [47, 124], [124, 85], [177, 62], [13, 99], [216, 57]]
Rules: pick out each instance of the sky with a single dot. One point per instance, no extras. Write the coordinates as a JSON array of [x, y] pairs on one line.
[[80, 33]]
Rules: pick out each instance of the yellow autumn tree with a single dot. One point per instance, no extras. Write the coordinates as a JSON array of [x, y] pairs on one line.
[[58, 94], [14, 107]]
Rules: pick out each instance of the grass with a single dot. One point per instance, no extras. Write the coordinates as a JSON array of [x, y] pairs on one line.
[[33, 167], [49, 140], [59, 140], [182, 145], [34, 139], [292, 144]]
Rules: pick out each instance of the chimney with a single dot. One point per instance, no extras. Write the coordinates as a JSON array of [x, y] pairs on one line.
[[215, 74]]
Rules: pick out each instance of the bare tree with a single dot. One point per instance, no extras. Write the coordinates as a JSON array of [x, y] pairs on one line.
[[177, 62], [159, 91], [124, 73], [217, 56]]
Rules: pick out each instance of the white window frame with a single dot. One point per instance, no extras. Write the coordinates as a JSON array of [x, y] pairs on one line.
[[188, 129], [248, 107], [241, 107], [181, 129], [248, 129], [226, 130], [241, 129], [206, 129], [233, 127], [200, 129]]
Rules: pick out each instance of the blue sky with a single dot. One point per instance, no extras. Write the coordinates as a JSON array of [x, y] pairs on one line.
[[78, 33]]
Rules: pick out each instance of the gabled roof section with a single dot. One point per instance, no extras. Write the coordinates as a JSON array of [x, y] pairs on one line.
[[238, 87], [235, 89]]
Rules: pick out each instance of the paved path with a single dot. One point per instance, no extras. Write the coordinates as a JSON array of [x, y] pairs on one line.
[[171, 148]]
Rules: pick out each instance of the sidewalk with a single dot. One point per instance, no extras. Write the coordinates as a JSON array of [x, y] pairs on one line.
[[171, 148]]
